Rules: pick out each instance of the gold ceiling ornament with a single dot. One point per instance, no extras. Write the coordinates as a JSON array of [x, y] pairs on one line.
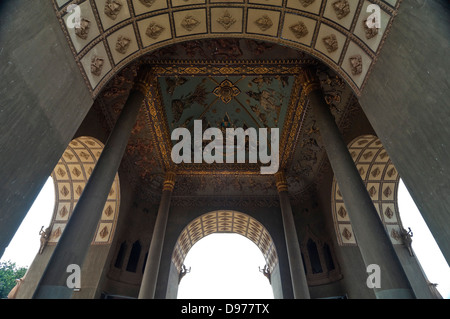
[[299, 29], [154, 30], [330, 43], [82, 30], [356, 64], [226, 91], [226, 20], [122, 44], [306, 3], [189, 23], [147, 3], [370, 32], [264, 23], [341, 8], [97, 65]]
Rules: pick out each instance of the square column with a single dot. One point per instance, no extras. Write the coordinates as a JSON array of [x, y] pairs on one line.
[[373, 241], [298, 275]]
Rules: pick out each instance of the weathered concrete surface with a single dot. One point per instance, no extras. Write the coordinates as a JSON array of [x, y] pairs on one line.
[[407, 102], [43, 100]]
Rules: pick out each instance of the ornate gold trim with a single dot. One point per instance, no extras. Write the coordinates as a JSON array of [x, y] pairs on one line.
[[310, 81]]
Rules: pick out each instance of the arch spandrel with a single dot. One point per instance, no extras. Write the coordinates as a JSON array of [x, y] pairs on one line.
[[225, 221], [70, 177], [113, 33], [381, 180]]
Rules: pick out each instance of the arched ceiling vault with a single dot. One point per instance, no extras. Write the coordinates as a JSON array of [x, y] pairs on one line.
[[113, 33], [200, 49]]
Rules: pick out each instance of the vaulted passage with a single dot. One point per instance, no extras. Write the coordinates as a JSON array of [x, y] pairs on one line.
[[338, 105]]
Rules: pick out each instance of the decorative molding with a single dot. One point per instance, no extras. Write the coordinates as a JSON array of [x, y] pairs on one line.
[[226, 91]]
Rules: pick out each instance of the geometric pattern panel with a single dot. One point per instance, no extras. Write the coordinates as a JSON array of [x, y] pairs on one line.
[[225, 222], [381, 179], [70, 177], [106, 35]]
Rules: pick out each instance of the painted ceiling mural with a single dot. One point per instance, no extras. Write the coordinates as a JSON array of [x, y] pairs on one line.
[[257, 91]]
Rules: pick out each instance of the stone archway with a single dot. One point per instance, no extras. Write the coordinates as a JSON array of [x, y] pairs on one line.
[[227, 221], [381, 179], [70, 177]]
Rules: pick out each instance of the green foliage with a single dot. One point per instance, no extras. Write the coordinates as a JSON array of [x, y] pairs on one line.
[[9, 272]]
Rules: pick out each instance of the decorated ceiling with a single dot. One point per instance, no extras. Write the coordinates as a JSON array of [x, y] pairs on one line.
[[250, 90], [229, 63], [106, 35]]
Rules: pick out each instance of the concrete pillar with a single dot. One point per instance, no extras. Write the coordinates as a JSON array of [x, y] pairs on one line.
[[150, 277], [80, 229], [371, 236], [298, 275]]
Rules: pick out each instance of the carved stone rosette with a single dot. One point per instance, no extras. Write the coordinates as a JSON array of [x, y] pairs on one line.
[[97, 65], [356, 64], [331, 43], [299, 29], [342, 8]]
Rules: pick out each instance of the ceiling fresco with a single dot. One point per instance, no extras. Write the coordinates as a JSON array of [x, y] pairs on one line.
[[251, 90]]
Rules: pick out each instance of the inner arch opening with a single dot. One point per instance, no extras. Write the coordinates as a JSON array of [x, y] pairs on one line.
[[225, 266]]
